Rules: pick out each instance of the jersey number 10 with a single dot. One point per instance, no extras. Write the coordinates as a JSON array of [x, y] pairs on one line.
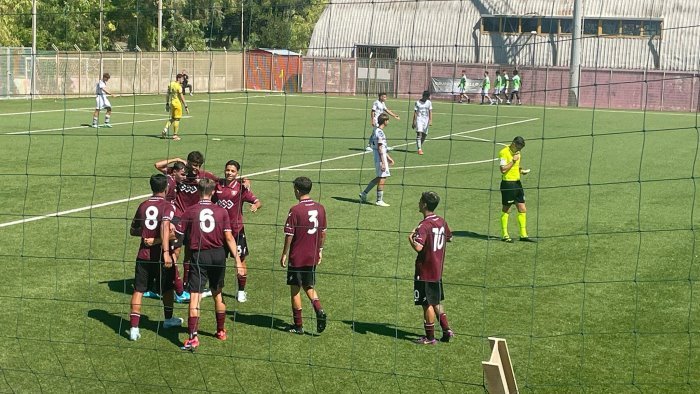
[[438, 238]]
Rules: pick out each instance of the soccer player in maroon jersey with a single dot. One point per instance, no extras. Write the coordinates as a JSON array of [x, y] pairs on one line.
[[153, 262], [207, 228], [305, 233], [186, 195], [231, 193], [428, 239]]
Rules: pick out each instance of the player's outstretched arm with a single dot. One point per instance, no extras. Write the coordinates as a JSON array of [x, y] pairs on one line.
[[390, 112]]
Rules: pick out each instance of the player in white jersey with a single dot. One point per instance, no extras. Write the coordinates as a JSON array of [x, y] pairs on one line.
[[422, 119], [379, 107], [102, 102], [382, 161]]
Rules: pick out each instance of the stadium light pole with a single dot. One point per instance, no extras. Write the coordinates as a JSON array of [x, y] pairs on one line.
[[33, 81], [160, 24], [575, 63]]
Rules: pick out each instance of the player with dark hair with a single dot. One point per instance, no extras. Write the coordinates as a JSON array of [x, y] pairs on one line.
[[463, 88], [305, 233], [174, 101], [422, 119], [153, 262], [379, 107], [186, 82], [429, 240], [511, 189], [515, 93], [382, 160], [230, 194], [207, 228], [485, 88], [102, 102], [186, 195]]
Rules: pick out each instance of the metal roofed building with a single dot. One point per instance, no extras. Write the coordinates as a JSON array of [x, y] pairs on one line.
[[622, 34]]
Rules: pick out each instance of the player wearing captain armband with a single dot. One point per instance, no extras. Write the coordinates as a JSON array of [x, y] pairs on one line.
[[154, 263], [511, 189], [207, 229], [304, 236], [231, 193], [430, 239]]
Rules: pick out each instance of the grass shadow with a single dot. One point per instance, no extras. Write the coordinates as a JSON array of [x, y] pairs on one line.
[[471, 234], [121, 286], [263, 321], [386, 330], [121, 326], [350, 200]]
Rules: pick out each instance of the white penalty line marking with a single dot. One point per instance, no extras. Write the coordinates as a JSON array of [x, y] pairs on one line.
[[395, 168], [90, 127], [123, 200]]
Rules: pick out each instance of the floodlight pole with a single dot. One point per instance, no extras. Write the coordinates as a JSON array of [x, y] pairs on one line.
[[33, 85], [160, 25], [101, 28], [575, 63]]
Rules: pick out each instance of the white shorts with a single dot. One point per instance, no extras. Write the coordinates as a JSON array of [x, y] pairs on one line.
[[378, 168], [102, 102], [422, 126]]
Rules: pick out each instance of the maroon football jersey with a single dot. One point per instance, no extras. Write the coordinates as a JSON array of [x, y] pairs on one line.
[[172, 189], [204, 225], [186, 194], [305, 222], [231, 197], [149, 216], [432, 233]]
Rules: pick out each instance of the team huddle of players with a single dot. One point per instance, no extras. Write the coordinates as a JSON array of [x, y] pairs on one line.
[[195, 211]]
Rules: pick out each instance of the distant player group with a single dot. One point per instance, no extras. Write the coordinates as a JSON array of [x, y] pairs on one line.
[[503, 84]]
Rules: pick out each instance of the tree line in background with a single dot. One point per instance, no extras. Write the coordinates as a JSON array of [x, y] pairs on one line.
[[187, 24]]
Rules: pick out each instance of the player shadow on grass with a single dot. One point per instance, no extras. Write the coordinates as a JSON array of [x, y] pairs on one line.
[[121, 286], [350, 200], [263, 321], [471, 234], [387, 330], [121, 326]]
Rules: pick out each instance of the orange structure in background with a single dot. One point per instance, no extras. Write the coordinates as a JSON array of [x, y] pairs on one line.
[[273, 69]]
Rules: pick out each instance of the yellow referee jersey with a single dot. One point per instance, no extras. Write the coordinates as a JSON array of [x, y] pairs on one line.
[[505, 156]]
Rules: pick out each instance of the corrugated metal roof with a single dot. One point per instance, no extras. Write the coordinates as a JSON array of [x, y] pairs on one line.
[[449, 31], [279, 52]]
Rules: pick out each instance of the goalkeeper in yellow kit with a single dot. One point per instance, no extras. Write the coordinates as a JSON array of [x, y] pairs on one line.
[[174, 102]]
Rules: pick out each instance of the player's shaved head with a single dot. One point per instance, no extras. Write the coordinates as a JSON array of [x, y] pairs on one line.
[[430, 199], [206, 187], [159, 183], [303, 185]]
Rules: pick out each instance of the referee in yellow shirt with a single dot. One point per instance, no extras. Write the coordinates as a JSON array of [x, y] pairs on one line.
[[174, 103], [511, 189]]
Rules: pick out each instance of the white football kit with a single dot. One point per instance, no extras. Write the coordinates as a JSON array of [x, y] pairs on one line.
[[101, 100], [422, 111]]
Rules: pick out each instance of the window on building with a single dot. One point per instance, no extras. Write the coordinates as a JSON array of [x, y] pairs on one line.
[[490, 24], [567, 26], [631, 28], [511, 25], [651, 28], [590, 27], [549, 26], [610, 27], [528, 25]]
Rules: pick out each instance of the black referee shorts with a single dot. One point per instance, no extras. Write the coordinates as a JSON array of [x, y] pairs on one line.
[[512, 192]]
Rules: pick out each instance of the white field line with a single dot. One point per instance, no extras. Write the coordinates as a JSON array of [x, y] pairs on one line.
[[105, 204], [90, 127], [469, 137], [395, 168], [127, 106]]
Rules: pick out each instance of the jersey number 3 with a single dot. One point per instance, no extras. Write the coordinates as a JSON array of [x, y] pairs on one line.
[[313, 218]]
